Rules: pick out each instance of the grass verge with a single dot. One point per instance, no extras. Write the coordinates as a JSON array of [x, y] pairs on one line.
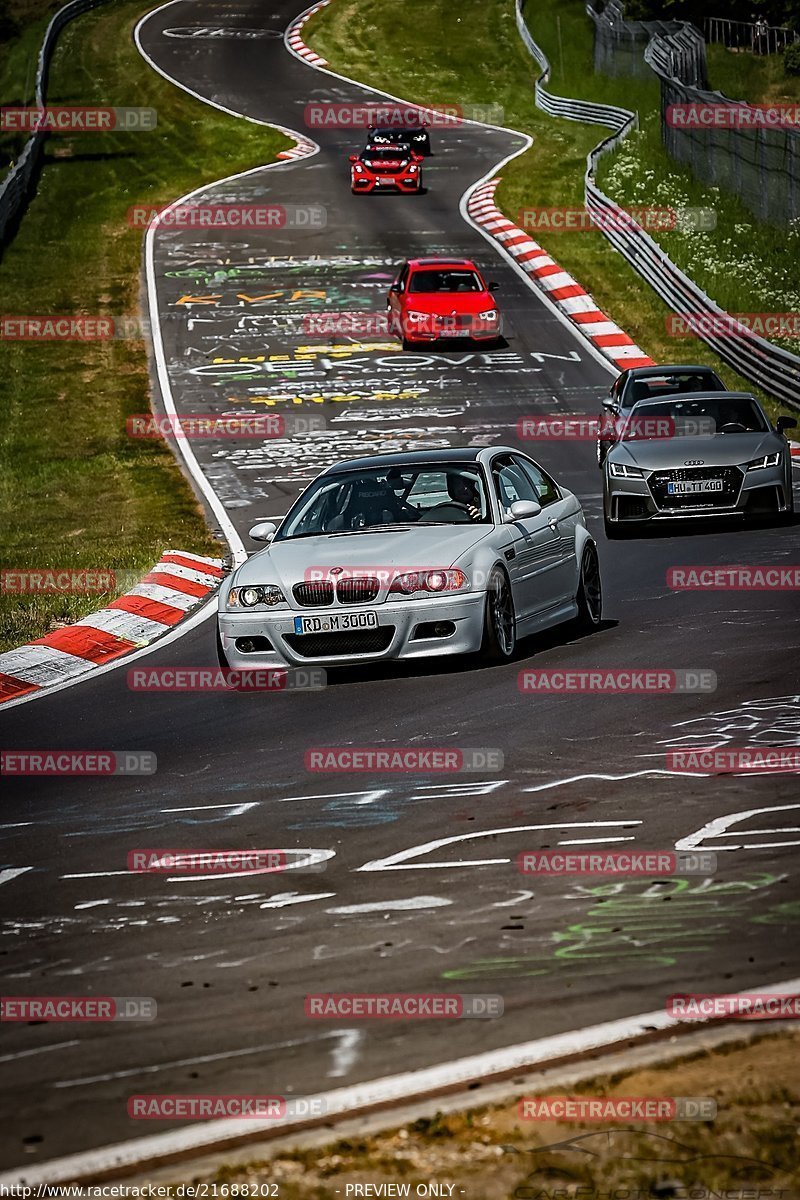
[[747, 1152], [416, 49], [75, 491]]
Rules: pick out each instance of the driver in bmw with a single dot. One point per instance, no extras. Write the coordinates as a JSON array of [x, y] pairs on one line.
[[463, 490]]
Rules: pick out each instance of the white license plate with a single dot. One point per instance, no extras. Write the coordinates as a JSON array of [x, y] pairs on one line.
[[336, 622], [687, 487], [388, 179]]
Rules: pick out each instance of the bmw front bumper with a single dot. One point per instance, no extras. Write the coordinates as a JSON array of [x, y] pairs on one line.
[[407, 629]]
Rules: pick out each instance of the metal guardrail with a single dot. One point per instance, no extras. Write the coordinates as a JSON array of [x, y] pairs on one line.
[[17, 187], [769, 367]]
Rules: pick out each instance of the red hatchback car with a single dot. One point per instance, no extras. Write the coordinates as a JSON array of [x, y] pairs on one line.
[[437, 298], [382, 168]]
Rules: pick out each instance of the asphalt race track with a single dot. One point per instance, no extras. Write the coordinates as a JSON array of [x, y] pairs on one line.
[[229, 960]]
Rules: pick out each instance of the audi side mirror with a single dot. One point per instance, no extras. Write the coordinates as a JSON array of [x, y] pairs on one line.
[[521, 510], [493, 287], [785, 423], [264, 531]]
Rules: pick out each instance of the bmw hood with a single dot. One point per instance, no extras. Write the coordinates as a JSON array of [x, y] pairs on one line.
[[422, 547], [719, 450]]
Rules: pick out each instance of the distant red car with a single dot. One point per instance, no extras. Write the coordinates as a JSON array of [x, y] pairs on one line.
[[382, 168], [434, 298]]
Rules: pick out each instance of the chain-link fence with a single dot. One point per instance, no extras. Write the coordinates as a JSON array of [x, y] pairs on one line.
[[752, 151], [619, 45], [770, 367]]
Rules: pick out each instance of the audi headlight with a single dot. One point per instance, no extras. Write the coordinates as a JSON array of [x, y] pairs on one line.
[[766, 460], [416, 583], [251, 595], [491, 314], [623, 471]]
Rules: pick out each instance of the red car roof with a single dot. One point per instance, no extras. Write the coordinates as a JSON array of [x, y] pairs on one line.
[[442, 262]]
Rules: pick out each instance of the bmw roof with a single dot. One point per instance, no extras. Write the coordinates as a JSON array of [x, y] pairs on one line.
[[413, 458]]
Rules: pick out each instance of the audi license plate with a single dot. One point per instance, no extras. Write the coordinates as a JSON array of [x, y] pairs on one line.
[[336, 622], [687, 487]]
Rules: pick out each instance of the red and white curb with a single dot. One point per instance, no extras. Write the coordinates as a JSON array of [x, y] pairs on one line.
[[795, 450], [565, 292], [295, 41], [304, 147], [163, 598]]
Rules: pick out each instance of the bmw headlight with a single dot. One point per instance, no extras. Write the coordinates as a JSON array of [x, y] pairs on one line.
[[623, 471], [766, 460], [251, 595], [491, 314]]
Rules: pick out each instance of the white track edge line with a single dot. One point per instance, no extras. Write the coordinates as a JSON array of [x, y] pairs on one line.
[[193, 467], [349, 1101]]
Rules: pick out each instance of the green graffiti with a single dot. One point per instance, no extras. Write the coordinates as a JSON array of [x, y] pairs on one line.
[[652, 924]]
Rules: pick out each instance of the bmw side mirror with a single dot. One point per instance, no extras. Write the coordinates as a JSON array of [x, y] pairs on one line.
[[493, 287], [785, 423], [521, 510], [264, 531]]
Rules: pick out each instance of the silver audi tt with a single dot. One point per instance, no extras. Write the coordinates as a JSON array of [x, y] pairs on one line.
[[410, 556], [710, 454]]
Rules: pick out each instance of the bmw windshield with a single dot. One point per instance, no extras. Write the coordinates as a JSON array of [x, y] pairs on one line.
[[384, 497]]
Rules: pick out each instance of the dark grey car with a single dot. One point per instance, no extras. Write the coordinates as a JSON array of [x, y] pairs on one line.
[[713, 454], [648, 383]]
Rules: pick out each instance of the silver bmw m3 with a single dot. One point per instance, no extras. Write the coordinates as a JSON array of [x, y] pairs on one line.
[[710, 454], [411, 556]]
